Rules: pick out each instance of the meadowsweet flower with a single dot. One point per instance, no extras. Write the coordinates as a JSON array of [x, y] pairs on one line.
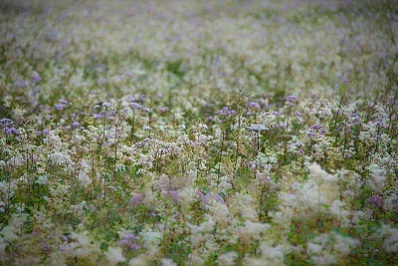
[[390, 236], [378, 178], [151, 239], [114, 255], [84, 178], [61, 159], [227, 259], [140, 260], [168, 262], [211, 197], [319, 175], [253, 230]]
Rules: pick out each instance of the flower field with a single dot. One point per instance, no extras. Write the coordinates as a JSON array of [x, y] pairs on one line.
[[236, 132]]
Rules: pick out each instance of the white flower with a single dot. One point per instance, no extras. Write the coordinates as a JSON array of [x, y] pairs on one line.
[[314, 248], [168, 262], [140, 260], [115, 255], [3, 246], [273, 254], [325, 259], [319, 175], [84, 179], [257, 127], [390, 236], [378, 181], [254, 230], [61, 159], [206, 226], [227, 259], [151, 238], [344, 244]]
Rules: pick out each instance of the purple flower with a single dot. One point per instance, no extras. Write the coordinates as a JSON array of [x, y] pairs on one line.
[[276, 113], [124, 242], [130, 236], [63, 101], [60, 107], [226, 111], [254, 105], [36, 77], [75, 124], [21, 83], [98, 116], [343, 79], [290, 100], [376, 200], [172, 194], [105, 105], [163, 109], [319, 129], [11, 131], [6, 122], [136, 200], [129, 240], [316, 127], [136, 105], [130, 74]]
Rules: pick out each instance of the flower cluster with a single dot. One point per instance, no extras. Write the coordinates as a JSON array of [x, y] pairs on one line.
[[198, 132]]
